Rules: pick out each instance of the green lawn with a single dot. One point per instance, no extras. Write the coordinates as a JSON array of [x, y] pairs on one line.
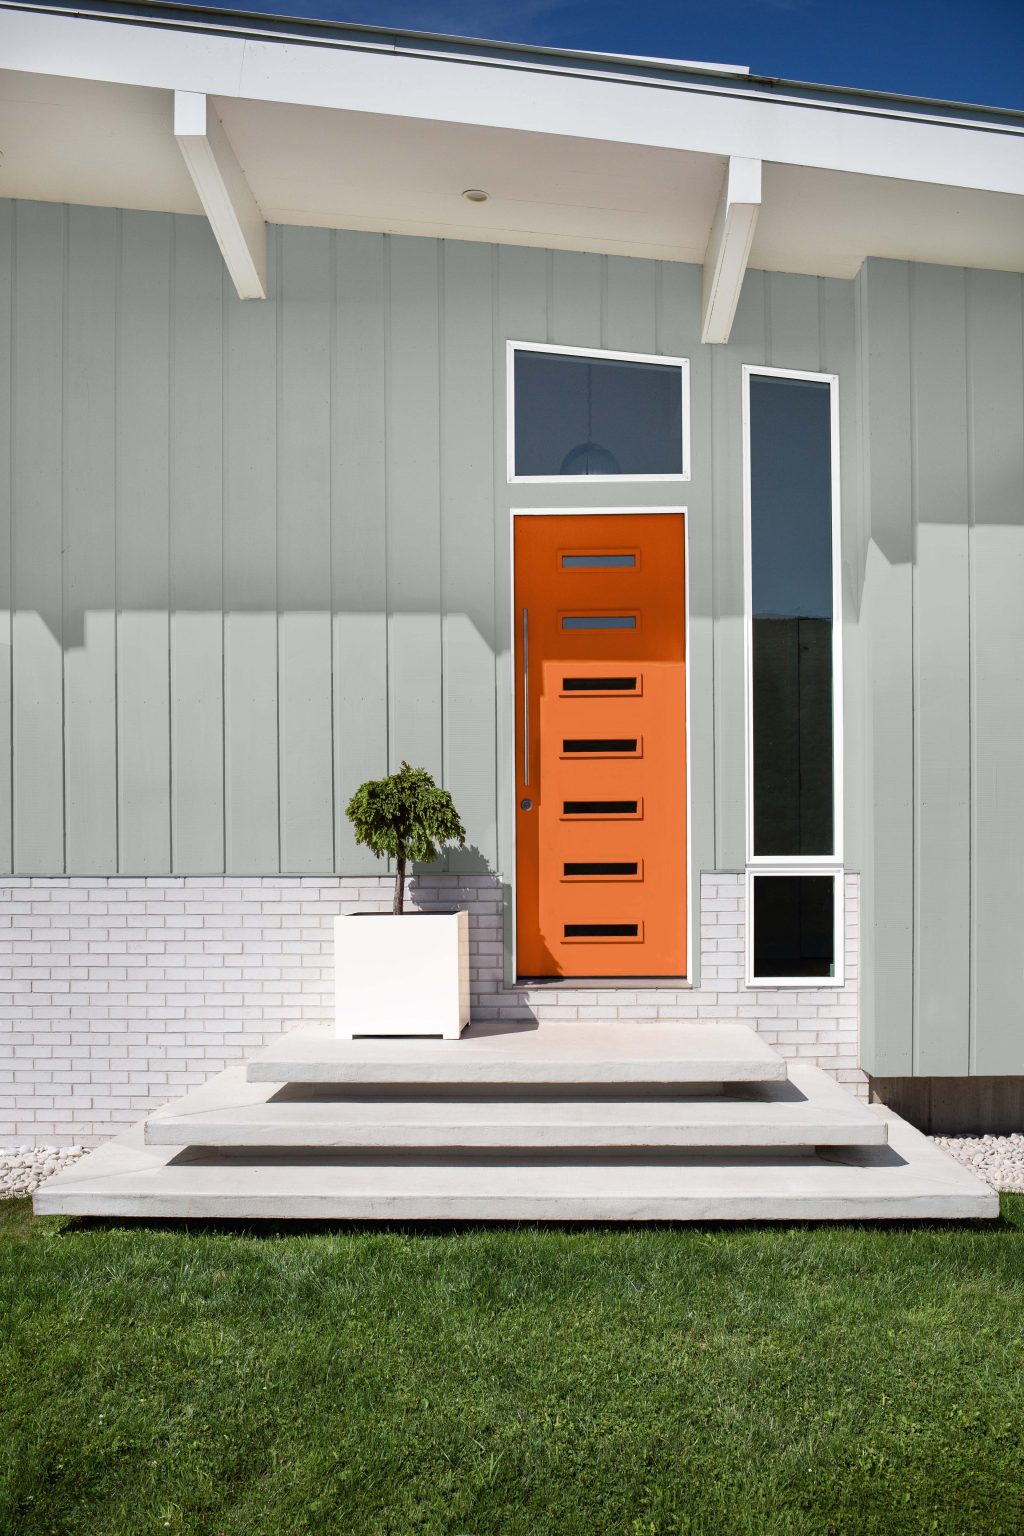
[[522, 1381]]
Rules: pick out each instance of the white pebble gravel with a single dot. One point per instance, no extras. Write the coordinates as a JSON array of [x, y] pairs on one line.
[[23, 1169], [999, 1160]]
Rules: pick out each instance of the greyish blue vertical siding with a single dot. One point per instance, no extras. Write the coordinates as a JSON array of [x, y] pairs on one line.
[[469, 633], [6, 531], [304, 548], [249, 550], [90, 580], [256, 553], [995, 401], [142, 536], [359, 581], [196, 553], [943, 641], [37, 541], [251, 770]]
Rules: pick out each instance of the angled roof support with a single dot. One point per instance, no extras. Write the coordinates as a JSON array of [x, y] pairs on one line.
[[233, 212], [732, 233]]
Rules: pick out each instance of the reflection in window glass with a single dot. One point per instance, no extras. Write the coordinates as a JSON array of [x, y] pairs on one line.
[[791, 588], [794, 926], [596, 416]]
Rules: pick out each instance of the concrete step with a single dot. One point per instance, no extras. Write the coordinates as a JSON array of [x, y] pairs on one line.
[[809, 1110], [907, 1179], [615, 1053]]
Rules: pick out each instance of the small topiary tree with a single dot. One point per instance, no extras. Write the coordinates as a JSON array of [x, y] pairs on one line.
[[405, 816]]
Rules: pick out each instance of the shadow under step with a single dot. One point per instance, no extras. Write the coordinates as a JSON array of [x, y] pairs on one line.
[[808, 1110]]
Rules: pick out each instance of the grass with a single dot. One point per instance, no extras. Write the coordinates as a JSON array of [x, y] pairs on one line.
[[523, 1381]]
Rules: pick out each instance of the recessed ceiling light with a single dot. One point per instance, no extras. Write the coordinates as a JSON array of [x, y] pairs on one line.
[[475, 195]]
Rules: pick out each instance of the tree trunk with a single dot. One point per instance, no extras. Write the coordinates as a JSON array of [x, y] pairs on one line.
[[399, 905]]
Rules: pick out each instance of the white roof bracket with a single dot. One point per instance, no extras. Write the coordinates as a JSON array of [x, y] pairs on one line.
[[732, 234], [233, 212]]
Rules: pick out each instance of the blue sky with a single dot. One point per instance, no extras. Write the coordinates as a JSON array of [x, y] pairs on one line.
[[962, 50]]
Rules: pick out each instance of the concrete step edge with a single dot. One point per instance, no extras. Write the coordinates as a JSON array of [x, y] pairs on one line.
[[580, 1052], [808, 1110], [908, 1179]]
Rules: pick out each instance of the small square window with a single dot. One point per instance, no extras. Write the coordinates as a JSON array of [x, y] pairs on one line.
[[596, 415], [794, 929]]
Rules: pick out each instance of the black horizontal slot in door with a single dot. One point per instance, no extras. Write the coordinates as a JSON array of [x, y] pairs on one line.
[[598, 562], [598, 684], [601, 930], [599, 621], [600, 744], [599, 807], [600, 869]]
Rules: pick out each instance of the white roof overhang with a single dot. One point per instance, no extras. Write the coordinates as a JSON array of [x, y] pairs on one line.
[[348, 128]]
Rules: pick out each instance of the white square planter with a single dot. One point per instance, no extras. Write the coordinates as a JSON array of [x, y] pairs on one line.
[[406, 975]]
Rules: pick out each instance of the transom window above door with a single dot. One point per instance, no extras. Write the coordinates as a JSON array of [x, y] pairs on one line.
[[597, 415]]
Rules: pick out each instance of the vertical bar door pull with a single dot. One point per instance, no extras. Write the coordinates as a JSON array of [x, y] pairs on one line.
[[526, 696]]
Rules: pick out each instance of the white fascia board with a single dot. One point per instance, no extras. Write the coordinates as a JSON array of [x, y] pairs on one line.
[[710, 119], [728, 252], [235, 218]]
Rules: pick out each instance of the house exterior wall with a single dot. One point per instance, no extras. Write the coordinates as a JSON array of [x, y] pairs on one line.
[[941, 569], [260, 552], [124, 992]]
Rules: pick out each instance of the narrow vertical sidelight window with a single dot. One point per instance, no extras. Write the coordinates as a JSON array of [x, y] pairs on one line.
[[793, 674], [791, 617]]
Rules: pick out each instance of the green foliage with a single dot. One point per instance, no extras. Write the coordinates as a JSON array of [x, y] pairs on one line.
[[405, 816], [829, 1381]]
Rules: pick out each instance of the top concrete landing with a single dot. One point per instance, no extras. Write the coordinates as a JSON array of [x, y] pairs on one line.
[[614, 1053]]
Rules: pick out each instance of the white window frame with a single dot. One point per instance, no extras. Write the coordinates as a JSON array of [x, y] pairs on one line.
[[759, 865], [791, 983], [682, 363], [834, 859]]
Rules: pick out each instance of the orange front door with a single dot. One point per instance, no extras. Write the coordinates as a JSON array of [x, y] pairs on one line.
[[600, 745]]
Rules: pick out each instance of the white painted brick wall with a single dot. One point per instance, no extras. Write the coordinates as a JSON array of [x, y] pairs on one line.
[[118, 994]]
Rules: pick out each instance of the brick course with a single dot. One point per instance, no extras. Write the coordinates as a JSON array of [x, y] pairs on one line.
[[119, 993]]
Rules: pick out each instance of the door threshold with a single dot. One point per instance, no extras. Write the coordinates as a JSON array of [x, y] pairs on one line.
[[603, 983]]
